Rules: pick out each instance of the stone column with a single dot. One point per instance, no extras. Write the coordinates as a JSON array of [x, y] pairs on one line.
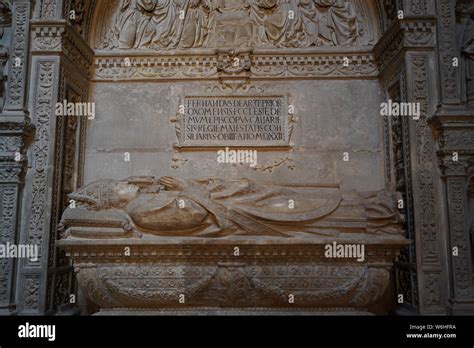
[[14, 130]]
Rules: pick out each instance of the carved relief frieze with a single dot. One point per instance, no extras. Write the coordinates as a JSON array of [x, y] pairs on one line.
[[210, 66], [231, 284], [191, 24]]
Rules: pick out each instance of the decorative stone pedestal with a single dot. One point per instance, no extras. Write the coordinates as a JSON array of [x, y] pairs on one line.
[[237, 275]]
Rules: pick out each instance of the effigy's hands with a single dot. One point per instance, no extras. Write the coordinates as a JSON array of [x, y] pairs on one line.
[[172, 184]]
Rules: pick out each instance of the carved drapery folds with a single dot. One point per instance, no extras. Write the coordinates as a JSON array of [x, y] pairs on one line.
[[218, 208], [168, 24]]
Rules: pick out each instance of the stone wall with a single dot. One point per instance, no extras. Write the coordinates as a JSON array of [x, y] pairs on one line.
[[135, 118]]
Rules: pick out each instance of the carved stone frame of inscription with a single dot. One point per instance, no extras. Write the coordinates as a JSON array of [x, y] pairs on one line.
[[233, 121]]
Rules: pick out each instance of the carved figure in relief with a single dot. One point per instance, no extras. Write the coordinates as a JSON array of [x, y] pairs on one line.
[[217, 207], [167, 24], [338, 24], [230, 21], [195, 30]]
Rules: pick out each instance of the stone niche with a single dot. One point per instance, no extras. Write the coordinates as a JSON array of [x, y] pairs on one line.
[[176, 84]]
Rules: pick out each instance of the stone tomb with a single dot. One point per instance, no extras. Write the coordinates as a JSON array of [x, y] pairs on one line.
[[185, 233], [175, 245]]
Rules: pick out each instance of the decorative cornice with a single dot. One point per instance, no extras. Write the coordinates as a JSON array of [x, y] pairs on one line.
[[455, 128], [58, 37], [11, 172], [450, 168], [402, 35], [91, 250], [204, 64]]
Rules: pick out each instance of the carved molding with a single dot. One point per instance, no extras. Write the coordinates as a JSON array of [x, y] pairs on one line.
[[60, 38], [412, 34], [206, 66], [264, 274]]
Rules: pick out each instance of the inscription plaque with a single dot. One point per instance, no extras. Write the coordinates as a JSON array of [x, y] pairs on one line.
[[254, 121]]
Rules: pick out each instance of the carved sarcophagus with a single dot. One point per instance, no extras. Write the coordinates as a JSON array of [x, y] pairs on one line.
[[231, 245]]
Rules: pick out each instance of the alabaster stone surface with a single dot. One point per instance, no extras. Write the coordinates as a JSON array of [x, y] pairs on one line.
[[218, 208], [229, 243]]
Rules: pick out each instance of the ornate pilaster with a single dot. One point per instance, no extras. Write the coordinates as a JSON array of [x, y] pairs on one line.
[[14, 132], [456, 153], [454, 125], [428, 207], [406, 55], [60, 62], [18, 62]]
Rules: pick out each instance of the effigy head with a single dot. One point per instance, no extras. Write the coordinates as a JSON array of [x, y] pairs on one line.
[[105, 194]]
